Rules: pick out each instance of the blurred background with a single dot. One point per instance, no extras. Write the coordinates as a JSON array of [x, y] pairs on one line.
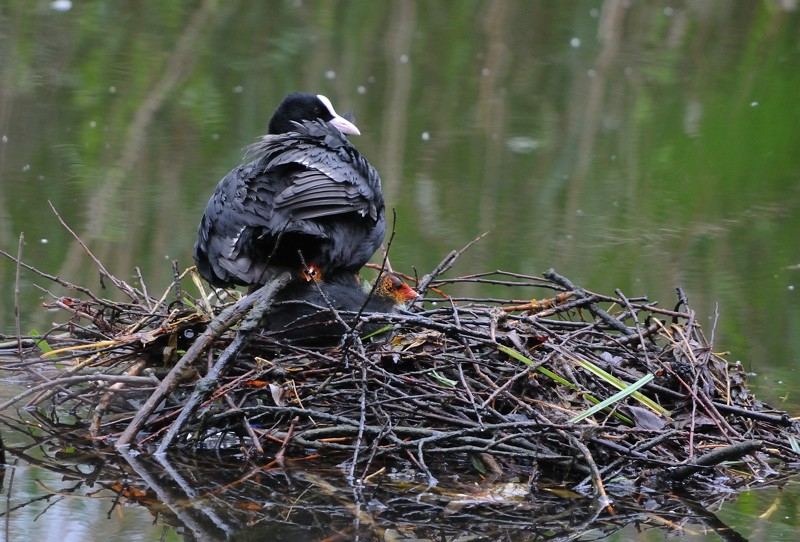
[[631, 145], [643, 146]]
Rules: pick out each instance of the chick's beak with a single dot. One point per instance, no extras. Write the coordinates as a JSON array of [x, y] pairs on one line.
[[405, 293]]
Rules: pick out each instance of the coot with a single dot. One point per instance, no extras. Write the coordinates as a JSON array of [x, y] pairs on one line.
[[302, 315], [307, 198]]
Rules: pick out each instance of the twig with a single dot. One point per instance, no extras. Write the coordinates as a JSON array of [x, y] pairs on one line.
[[215, 329], [627, 304], [105, 401], [260, 301], [446, 263], [176, 282], [593, 308], [734, 452], [596, 477], [286, 441], [146, 297], [199, 529], [120, 284], [16, 296], [73, 380], [362, 416]]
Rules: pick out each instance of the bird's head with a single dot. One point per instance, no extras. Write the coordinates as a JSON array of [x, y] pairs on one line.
[[391, 287], [304, 106]]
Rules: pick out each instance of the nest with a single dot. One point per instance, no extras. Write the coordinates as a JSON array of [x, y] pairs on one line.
[[559, 382]]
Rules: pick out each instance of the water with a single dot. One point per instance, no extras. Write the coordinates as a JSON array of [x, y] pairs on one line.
[[639, 147]]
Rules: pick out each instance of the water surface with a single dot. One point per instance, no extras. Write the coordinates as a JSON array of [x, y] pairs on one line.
[[636, 146]]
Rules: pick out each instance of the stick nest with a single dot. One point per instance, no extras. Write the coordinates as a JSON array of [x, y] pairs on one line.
[[503, 383]]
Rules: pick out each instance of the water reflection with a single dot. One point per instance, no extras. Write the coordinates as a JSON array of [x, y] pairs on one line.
[[631, 145], [231, 499]]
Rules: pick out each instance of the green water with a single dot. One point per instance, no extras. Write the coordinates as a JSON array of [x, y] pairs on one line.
[[642, 147]]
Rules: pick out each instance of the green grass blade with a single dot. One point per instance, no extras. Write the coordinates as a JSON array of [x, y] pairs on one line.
[[619, 396], [619, 384], [527, 361]]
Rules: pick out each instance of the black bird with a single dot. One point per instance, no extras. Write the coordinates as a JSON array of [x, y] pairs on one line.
[[301, 313], [307, 199]]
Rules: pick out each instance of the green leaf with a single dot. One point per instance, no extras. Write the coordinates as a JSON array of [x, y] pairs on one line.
[[377, 332], [793, 443], [443, 380], [527, 361], [42, 344]]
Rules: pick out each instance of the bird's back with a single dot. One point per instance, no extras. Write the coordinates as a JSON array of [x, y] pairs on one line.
[[309, 191]]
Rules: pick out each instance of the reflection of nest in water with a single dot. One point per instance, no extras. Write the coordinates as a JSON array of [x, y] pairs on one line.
[[225, 498], [507, 384]]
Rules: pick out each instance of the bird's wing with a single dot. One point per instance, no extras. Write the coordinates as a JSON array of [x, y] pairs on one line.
[[325, 174], [314, 194]]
